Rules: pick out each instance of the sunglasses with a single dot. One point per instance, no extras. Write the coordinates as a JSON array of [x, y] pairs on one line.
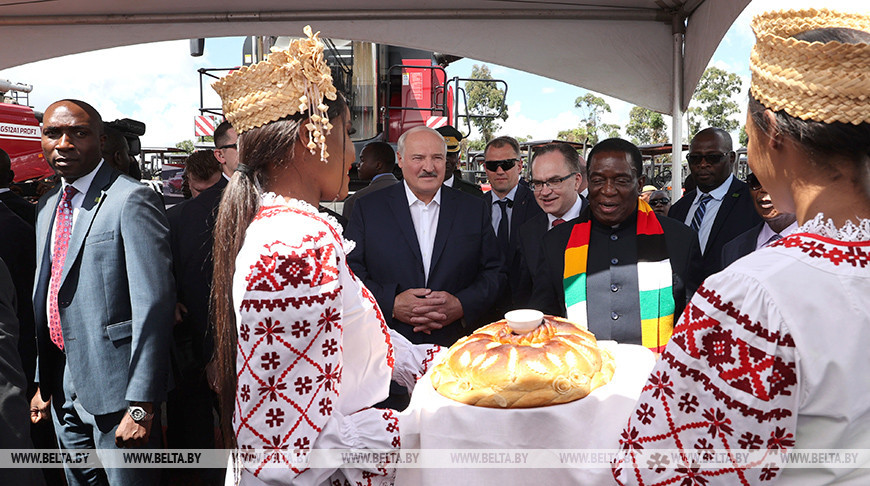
[[506, 164], [713, 159], [753, 182], [659, 202], [228, 146]]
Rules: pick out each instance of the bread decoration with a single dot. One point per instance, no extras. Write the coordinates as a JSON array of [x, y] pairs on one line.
[[498, 367]]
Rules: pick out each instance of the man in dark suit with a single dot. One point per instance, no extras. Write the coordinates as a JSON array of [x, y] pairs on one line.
[[18, 252], [14, 431], [103, 299], [613, 258], [452, 175], [426, 251], [16, 203], [557, 174], [376, 163], [776, 225], [721, 207], [511, 204]]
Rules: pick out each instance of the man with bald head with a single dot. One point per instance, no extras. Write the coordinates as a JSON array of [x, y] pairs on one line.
[[721, 206], [103, 299]]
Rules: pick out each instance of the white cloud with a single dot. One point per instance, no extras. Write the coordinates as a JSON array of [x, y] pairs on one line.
[[548, 90], [519, 125], [153, 83]]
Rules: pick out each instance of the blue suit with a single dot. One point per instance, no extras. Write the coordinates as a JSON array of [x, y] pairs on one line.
[[465, 260]]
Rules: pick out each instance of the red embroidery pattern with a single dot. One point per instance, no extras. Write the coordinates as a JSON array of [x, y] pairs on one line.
[[430, 356], [694, 414], [815, 247]]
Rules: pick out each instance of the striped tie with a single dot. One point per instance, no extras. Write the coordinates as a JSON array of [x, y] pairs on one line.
[[699, 213]]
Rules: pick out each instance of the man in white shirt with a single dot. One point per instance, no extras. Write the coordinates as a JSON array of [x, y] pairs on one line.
[[721, 207], [776, 226], [557, 173]]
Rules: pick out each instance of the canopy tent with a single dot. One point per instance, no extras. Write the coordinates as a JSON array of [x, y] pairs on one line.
[[647, 52]]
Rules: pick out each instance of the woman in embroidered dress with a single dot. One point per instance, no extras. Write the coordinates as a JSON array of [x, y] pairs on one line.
[[302, 348], [771, 354]]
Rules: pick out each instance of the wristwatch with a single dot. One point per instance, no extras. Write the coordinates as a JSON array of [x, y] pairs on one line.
[[138, 414]]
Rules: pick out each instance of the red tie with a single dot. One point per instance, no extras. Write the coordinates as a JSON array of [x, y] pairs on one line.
[[557, 222], [62, 229]]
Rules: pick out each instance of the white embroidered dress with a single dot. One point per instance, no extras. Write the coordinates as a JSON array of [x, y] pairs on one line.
[[313, 350], [772, 354]]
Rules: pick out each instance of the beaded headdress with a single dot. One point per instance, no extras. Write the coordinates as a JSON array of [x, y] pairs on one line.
[[289, 81], [827, 82]]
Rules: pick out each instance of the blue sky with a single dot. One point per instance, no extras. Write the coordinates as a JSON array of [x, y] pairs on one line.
[[159, 84]]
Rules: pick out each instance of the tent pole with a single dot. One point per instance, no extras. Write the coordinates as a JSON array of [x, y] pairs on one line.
[[679, 32]]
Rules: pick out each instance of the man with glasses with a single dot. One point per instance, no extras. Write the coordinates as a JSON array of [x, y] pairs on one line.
[[226, 148], [660, 202], [511, 205], [776, 226], [721, 207], [556, 177], [619, 268]]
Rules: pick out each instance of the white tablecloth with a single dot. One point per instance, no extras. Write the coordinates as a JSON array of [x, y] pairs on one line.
[[433, 422]]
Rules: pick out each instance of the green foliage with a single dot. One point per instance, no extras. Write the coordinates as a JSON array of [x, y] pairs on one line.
[[609, 130], [712, 99], [475, 145], [573, 135], [186, 145], [743, 138], [591, 109], [646, 127], [485, 98], [524, 139]]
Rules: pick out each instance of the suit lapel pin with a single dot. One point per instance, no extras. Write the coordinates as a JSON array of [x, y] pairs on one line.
[[736, 194]]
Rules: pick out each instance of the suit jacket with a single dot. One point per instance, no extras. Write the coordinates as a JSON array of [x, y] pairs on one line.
[[379, 183], [516, 294], [466, 187], [18, 251], [19, 206], [116, 297], [191, 226], [736, 214], [465, 260], [531, 238], [683, 252], [741, 246]]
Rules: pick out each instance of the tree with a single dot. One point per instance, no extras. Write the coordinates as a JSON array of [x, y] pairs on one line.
[[591, 109], [610, 130], [186, 145], [485, 99], [646, 127], [743, 138], [477, 144], [573, 135], [713, 104]]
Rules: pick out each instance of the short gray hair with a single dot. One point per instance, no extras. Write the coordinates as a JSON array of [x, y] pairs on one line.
[[400, 145]]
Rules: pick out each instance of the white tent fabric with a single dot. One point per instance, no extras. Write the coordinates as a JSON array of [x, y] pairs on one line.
[[622, 48]]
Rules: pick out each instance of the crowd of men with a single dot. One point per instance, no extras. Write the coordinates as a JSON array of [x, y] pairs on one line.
[[119, 286]]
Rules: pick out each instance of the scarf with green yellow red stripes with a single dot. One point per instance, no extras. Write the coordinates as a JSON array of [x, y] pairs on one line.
[[654, 278]]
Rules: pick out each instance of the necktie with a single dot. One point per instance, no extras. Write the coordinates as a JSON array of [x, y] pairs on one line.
[[773, 239], [698, 217], [557, 222], [62, 229], [503, 234]]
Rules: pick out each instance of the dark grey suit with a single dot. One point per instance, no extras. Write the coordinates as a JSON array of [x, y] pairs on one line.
[[741, 246], [381, 182]]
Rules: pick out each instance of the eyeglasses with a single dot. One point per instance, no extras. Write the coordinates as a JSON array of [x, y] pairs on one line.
[[551, 183], [713, 159], [506, 164], [659, 202], [753, 182], [228, 146]]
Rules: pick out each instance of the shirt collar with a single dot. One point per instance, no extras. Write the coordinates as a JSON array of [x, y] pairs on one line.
[[4, 189], [449, 182], [83, 183], [572, 212], [382, 174], [512, 195], [720, 191], [412, 198]]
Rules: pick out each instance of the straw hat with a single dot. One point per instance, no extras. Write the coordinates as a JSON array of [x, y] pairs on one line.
[[827, 82], [295, 80]]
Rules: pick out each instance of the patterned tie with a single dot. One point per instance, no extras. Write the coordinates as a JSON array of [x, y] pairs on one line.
[[699, 213], [557, 222], [773, 239], [503, 233], [62, 229]]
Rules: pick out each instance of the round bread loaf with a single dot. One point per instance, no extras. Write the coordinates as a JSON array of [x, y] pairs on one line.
[[558, 362]]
